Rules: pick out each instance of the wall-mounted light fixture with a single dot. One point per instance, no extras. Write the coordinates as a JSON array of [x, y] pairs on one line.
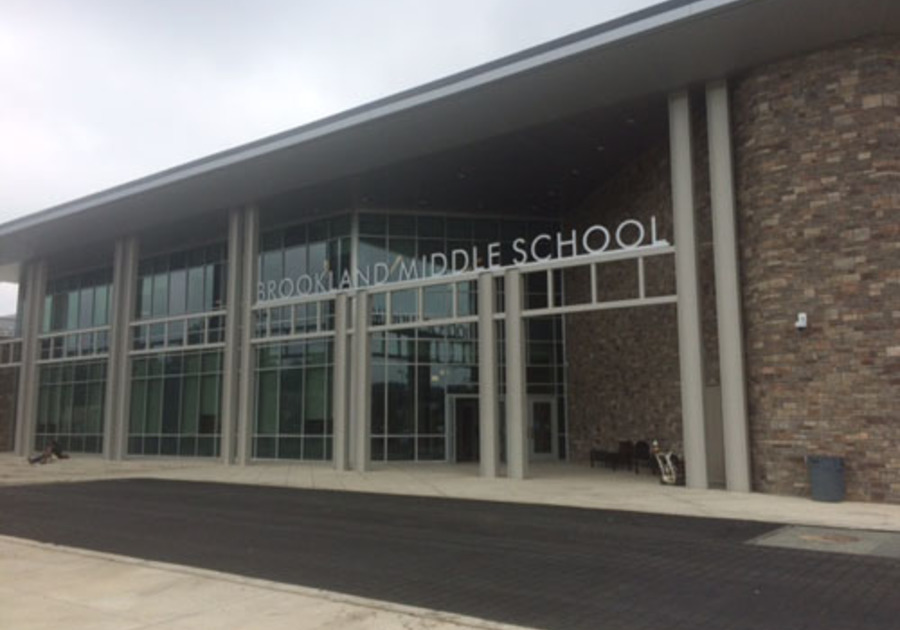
[[801, 322]]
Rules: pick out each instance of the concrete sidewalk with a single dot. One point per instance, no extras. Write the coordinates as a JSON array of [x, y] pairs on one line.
[[551, 484], [48, 587]]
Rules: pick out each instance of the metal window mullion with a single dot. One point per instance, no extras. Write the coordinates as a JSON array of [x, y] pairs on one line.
[[420, 305], [642, 290], [550, 289]]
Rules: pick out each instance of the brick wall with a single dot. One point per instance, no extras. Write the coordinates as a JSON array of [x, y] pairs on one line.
[[817, 143], [623, 370]]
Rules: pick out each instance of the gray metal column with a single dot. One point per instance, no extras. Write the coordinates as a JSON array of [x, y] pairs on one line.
[[231, 367], [728, 297], [115, 350], [118, 377], [245, 417], [487, 378], [690, 340], [340, 435], [33, 282], [361, 386], [516, 402]]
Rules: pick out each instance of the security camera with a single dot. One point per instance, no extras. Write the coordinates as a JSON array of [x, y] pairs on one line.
[[800, 324]]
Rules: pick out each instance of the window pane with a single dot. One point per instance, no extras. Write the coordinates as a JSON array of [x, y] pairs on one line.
[[431, 399], [315, 403], [72, 314], [219, 284], [295, 262], [153, 422], [94, 421], [271, 269], [371, 251], [318, 259], [101, 305], [86, 311], [195, 290], [145, 302], [438, 301], [400, 448], [138, 403], [171, 405], [60, 308], [178, 292], [404, 306], [400, 412], [190, 405], [209, 282], [160, 295], [48, 311], [209, 404], [267, 402], [291, 408]]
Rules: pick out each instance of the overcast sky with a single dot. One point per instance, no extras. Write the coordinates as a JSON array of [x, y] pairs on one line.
[[94, 93]]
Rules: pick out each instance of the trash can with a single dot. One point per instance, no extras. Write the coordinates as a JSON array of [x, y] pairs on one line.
[[826, 476]]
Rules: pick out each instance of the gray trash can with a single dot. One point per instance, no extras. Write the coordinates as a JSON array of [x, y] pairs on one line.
[[826, 476]]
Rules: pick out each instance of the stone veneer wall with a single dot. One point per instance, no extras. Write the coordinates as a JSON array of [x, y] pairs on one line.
[[623, 370], [8, 390], [817, 143]]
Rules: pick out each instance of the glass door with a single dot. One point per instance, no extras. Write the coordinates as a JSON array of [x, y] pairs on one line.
[[544, 431], [465, 439]]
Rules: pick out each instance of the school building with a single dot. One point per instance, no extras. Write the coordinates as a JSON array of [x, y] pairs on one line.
[[681, 225]]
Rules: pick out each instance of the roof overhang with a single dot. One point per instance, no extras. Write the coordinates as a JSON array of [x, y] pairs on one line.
[[666, 47]]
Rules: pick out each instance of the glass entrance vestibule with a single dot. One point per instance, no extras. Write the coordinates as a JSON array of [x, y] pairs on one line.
[[423, 357], [418, 365]]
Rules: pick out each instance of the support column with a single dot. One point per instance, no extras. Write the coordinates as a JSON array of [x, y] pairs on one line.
[[118, 377], [231, 367], [340, 435], [33, 282], [245, 415], [487, 378], [361, 386], [690, 339], [516, 403], [728, 297]]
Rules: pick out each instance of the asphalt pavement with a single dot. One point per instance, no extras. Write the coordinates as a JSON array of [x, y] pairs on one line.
[[539, 566]]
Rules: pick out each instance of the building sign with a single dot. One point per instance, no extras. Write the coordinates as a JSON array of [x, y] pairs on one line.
[[627, 235]]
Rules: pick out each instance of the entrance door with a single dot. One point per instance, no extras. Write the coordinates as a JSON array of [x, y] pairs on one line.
[[544, 431], [465, 428]]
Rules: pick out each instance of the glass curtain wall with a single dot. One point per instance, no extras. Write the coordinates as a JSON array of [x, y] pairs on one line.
[[182, 283], [293, 416], [413, 372], [76, 302], [176, 391], [77, 305], [292, 259], [175, 404], [73, 344], [293, 400], [70, 405]]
